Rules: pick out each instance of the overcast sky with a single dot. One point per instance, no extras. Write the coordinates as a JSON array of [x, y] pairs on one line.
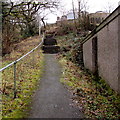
[[93, 6]]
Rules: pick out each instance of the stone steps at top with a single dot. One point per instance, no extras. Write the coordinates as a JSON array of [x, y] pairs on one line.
[[50, 45]]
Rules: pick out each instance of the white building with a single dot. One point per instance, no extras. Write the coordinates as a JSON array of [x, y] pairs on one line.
[[70, 16]]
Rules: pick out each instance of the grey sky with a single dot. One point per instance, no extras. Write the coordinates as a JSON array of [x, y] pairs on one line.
[[93, 5]]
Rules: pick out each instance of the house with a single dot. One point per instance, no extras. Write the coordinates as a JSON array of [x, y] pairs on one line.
[[98, 17], [94, 18], [70, 16], [61, 20], [64, 18]]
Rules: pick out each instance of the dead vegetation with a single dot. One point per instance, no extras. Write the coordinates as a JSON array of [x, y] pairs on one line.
[[28, 72], [95, 100], [22, 48]]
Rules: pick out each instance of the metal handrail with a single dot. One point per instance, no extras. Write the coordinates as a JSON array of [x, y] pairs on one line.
[[21, 57], [15, 62]]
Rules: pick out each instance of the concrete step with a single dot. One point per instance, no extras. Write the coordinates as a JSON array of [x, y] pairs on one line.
[[50, 41], [51, 49]]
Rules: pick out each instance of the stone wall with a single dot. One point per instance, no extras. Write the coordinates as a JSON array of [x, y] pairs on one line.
[[119, 49], [105, 57], [108, 54], [90, 54], [87, 55]]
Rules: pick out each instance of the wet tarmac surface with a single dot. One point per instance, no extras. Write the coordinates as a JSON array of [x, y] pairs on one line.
[[52, 99]]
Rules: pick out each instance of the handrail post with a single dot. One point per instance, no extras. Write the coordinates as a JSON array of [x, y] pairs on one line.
[[33, 58], [15, 80], [14, 67]]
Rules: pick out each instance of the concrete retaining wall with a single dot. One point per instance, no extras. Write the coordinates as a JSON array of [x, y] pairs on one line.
[[90, 54], [87, 55], [108, 51]]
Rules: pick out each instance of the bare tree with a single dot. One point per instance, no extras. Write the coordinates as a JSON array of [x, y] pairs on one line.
[[74, 14], [22, 15], [82, 12], [109, 7]]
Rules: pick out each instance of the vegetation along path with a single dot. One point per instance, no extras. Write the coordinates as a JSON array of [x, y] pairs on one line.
[[52, 99]]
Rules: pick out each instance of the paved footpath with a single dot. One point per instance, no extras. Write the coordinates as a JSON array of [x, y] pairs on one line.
[[52, 99]]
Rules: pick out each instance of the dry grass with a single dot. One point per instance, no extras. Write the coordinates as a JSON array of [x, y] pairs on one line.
[[96, 97], [22, 48], [28, 72], [94, 103]]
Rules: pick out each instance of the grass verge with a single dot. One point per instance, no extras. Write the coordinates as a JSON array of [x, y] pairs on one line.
[[28, 73], [97, 99]]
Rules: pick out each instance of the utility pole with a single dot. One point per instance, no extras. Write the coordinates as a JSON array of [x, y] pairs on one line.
[[79, 11], [39, 27], [39, 23], [73, 9], [74, 16]]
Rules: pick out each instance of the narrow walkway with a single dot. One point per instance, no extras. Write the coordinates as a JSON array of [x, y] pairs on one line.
[[52, 100]]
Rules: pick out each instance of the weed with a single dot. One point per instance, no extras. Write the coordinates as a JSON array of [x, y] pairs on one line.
[[28, 73], [97, 99]]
